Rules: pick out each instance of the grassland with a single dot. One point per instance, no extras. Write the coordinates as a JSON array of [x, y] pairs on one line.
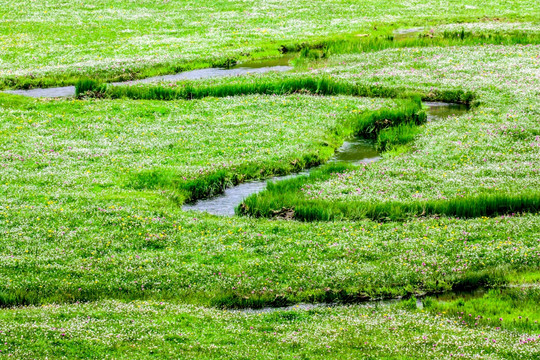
[[154, 144], [97, 258], [149, 330], [112, 227], [117, 40]]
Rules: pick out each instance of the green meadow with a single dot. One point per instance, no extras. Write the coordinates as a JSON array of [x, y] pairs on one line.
[[430, 252], [53, 42]]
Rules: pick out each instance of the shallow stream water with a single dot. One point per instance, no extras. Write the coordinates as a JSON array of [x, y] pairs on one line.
[[354, 151], [253, 67], [441, 297]]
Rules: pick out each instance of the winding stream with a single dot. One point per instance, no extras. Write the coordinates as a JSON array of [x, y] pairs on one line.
[[254, 67], [354, 151]]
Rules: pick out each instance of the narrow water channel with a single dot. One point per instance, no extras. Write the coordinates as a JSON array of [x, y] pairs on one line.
[[354, 151], [253, 67], [440, 297]]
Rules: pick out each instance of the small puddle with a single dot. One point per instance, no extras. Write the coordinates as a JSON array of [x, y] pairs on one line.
[[408, 31], [354, 151], [402, 34], [463, 294], [442, 110], [306, 306], [253, 67], [301, 306]]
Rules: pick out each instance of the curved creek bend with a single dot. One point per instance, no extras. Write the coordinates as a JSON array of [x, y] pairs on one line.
[[354, 151], [253, 67]]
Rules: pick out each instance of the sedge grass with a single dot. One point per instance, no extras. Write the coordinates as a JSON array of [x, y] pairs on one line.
[[276, 197], [298, 84]]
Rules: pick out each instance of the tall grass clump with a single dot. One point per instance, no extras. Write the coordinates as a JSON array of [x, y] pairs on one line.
[[395, 136], [299, 84], [90, 88], [508, 308], [189, 90], [275, 198], [467, 37], [371, 124], [355, 44]]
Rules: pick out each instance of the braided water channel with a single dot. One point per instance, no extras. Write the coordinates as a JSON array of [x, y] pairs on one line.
[[354, 151]]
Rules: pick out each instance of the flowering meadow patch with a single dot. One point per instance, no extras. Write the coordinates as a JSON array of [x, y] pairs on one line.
[[145, 247], [78, 145], [121, 40], [489, 27], [150, 329]]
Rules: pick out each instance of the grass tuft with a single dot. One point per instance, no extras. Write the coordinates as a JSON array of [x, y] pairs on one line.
[[268, 202], [89, 88]]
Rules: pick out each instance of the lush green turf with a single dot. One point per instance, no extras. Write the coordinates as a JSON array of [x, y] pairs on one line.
[[149, 330], [120, 40]]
